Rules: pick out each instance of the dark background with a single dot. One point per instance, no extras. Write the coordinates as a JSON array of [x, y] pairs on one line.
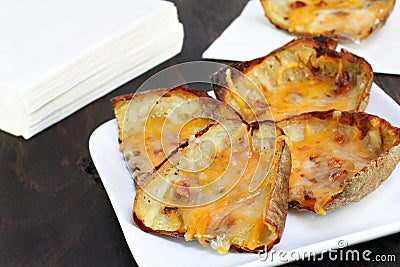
[[54, 210]]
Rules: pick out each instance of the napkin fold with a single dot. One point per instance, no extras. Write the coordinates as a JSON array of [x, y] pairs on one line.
[[58, 56], [251, 35]]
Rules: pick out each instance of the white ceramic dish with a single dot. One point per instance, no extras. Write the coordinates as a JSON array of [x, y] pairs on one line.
[[376, 215]]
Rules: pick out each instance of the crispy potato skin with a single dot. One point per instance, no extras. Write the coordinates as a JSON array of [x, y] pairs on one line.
[[277, 13], [323, 46], [376, 171], [276, 204]]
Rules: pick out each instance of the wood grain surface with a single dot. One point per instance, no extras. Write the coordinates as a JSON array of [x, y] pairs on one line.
[[54, 210]]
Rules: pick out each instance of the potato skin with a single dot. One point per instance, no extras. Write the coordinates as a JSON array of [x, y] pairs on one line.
[[277, 12], [276, 204], [376, 171], [277, 210], [322, 46], [276, 207]]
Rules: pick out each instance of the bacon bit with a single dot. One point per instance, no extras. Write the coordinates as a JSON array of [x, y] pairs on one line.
[[315, 70], [176, 144], [321, 3], [339, 175], [182, 190], [157, 152], [308, 194], [170, 210], [261, 104], [260, 112], [342, 13], [297, 4], [313, 157], [339, 138], [312, 179], [342, 89], [343, 81]]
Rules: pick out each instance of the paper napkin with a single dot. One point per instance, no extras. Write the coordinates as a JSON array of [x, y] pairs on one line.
[[58, 56]]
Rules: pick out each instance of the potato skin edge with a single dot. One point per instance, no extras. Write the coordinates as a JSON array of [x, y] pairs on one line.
[[374, 173]]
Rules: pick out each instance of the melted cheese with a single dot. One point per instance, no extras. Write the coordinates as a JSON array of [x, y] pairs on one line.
[[148, 146], [233, 219], [298, 97], [344, 18], [191, 127], [323, 159], [163, 135]]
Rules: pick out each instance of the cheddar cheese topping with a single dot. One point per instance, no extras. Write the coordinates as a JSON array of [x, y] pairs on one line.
[[325, 154]]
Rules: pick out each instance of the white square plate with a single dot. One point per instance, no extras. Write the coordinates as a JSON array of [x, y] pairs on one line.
[[376, 215]]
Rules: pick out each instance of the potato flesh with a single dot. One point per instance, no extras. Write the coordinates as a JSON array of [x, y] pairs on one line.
[[298, 97]]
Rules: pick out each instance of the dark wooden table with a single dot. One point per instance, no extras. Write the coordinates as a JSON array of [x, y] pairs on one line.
[[54, 210]]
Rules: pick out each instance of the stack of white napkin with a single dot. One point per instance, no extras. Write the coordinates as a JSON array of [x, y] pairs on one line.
[[57, 56]]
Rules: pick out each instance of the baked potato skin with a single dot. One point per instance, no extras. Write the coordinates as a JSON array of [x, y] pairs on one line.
[[278, 12], [375, 172], [275, 204], [359, 71]]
